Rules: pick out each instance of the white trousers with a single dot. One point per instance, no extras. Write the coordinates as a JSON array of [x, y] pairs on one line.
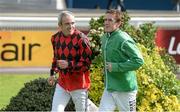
[[62, 97], [124, 101]]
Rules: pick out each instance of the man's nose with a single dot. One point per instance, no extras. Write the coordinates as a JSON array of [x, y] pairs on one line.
[[72, 25]]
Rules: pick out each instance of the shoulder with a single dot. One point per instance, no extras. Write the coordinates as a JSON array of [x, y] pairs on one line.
[[125, 36], [80, 34], [55, 35], [83, 39]]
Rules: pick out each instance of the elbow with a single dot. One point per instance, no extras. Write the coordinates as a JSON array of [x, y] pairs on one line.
[[140, 63]]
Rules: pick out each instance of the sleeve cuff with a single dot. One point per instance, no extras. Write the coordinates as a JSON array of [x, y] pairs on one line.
[[52, 72]]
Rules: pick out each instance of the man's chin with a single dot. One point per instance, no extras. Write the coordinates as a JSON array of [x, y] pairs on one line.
[[107, 31], [71, 32]]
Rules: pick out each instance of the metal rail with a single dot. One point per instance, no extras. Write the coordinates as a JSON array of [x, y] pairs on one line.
[[31, 22], [34, 23]]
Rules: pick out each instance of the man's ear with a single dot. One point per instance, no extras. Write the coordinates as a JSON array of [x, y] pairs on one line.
[[119, 24]]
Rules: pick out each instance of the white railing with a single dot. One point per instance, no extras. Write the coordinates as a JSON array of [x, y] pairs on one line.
[[51, 22]]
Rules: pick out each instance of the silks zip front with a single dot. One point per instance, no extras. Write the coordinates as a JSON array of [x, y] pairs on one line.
[[105, 67]]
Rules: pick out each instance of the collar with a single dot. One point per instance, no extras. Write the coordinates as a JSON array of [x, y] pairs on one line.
[[113, 32]]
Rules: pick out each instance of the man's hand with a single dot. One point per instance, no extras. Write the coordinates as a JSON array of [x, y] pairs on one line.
[[63, 64], [51, 80], [109, 66]]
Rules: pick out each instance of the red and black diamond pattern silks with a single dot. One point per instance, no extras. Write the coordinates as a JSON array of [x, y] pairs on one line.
[[76, 50]]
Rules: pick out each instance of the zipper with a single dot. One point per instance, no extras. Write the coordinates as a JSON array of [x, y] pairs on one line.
[[105, 61]]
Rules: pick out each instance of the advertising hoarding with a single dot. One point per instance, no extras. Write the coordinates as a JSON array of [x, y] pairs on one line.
[[25, 48], [170, 40]]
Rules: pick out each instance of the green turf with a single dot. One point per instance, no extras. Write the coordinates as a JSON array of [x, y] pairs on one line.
[[10, 84]]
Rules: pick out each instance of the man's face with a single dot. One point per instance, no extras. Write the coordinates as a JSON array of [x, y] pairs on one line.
[[110, 23], [68, 25]]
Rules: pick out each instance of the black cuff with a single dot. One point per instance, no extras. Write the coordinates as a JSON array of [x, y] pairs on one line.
[[52, 72]]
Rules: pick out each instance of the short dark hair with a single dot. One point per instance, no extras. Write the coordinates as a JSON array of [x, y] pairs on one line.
[[119, 16]]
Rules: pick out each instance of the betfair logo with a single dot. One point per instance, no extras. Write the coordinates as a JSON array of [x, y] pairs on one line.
[[12, 51]]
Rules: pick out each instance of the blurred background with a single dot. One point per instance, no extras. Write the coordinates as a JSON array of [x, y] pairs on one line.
[[26, 27]]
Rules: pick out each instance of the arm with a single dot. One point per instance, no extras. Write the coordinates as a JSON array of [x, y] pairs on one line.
[[134, 58], [54, 68], [51, 79]]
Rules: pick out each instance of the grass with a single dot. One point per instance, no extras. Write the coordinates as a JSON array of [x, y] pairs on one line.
[[10, 84]]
